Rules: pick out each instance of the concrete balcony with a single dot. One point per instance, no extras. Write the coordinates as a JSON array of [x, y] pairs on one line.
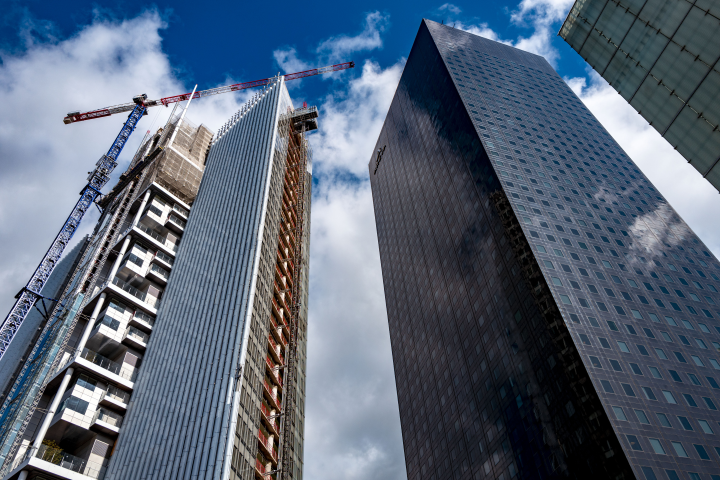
[[175, 223], [164, 260], [157, 274], [135, 338], [142, 320], [106, 422], [276, 351], [266, 448], [112, 372], [274, 373], [273, 399], [127, 294], [272, 423], [57, 464], [115, 398], [155, 238]]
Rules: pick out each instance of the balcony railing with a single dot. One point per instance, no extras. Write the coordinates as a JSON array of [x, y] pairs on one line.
[[157, 237], [270, 392], [107, 364], [116, 394], [159, 271], [264, 440], [70, 462], [142, 296], [144, 317], [180, 210], [165, 257], [277, 350], [276, 373], [108, 417], [137, 335], [177, 221]]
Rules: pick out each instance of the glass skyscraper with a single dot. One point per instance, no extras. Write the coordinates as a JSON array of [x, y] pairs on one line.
[[662, 57], [550, 314]]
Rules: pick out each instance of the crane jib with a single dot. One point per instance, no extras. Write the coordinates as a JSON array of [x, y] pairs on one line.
[[105, 112]]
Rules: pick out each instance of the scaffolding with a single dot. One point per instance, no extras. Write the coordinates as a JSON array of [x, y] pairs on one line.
[[179, 167]]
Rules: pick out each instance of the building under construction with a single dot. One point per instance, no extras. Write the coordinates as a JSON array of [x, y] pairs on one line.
[[177, 346]]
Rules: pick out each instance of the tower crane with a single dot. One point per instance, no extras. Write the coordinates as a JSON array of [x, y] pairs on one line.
[[30, 293]]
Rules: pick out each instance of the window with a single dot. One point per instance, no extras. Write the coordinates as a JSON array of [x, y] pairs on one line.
[[630, 329], [705, 427], [710, 404], [565, 299], [649, 394], [636, 369], [603, 342], [657, 446], [615, 365], [634, 443], [685, 423], [607, 387], [669, 397], [694, 379], [584, 339], [666, 337], [642, 418], [620, 414], [556, 281], [712, 382], [680, 357], [679, 449], [623, 347], [628, 390], [642, 350], [648, 333], [702, 453], [663, 419], [675, 376], [595, 362], [697, 360], [689, 400], [655, 372]]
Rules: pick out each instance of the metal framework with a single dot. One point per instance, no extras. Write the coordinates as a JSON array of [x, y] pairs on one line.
[[106, 112], [30, 293], [288, 407]]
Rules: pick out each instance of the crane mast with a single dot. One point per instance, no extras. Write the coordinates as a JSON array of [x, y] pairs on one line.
[[30, 293]]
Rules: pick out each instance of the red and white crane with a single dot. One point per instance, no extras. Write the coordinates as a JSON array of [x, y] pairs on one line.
[[142, 99], [30, 293]]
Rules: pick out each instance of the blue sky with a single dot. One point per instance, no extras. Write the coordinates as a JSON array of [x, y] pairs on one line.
[[57, 57], [207, 44]]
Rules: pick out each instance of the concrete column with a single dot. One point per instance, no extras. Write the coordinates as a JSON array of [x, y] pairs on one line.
[[51, 411], [91, 322], [116, 265], [143, 204], [23, 475], [68, 375]]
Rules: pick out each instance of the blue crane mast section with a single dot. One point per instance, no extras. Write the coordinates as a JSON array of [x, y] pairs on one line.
[[97, 179]]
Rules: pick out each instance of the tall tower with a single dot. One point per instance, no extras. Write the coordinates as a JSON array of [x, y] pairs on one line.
[[550, 314], [177, 349], [662, 57]]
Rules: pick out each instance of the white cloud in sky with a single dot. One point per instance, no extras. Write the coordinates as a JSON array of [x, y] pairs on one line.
[[337, 49], [688, 193], [449, 7]]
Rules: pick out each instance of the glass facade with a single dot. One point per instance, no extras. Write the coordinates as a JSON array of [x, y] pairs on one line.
[[662, 57], [550, 314]]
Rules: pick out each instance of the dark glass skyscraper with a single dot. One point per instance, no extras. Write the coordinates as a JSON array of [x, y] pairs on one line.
[[550, 314]]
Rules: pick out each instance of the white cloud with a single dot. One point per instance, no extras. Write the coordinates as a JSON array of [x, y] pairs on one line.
[[337, 48], [482, 30], [289, 62], [449, 7], [44, 162], [692, 197], [351, 121]]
